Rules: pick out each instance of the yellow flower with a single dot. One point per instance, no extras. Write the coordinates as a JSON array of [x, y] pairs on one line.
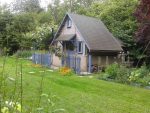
[[65, 71]]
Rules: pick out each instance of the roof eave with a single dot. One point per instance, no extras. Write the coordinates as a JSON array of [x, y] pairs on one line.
[[106, 51], [60, 26], [79, 31]]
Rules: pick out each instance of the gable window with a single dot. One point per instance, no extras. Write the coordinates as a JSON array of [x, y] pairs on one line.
[[69, 23], [80, 47]]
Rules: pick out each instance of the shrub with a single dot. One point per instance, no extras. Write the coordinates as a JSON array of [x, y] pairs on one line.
[[23, 54], [145, 81], [122, 74], [116, 72], [111, 71], [140, 75], [103, 76]]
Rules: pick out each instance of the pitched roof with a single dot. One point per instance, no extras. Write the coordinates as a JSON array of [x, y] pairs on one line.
[[94, 32]]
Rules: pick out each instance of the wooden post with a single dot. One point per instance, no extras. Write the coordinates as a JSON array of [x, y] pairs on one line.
[[123, 57], [99, 60], [90, 63], [107, 60]]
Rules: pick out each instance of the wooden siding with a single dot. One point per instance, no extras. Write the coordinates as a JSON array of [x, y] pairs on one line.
[[105, 60], [83, 63], [72, 30], [56, 61]]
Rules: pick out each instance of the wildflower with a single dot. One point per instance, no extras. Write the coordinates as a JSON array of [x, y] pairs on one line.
[[65, 71], [11, 79], [5, 110], [18, 107], [13, 105]]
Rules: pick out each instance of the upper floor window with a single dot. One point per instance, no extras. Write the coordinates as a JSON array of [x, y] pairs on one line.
[[80, 47], [69, 23]]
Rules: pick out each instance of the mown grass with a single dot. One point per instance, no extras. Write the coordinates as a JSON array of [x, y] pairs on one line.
[[73, 93]]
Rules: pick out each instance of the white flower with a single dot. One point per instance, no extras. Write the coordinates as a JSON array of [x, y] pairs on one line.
[[11, 104], [11, 79], [6, 102]]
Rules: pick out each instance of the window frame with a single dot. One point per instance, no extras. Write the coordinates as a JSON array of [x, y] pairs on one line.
[[69, 23], [80, 47]]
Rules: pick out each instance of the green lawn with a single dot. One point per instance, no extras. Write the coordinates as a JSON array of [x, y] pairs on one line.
[[73, 93]]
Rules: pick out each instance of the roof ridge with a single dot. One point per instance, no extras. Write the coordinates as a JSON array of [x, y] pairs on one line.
[[94, 33], [85, 16]]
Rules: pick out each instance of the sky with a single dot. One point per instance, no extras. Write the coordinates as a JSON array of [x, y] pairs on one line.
[[44, 3]]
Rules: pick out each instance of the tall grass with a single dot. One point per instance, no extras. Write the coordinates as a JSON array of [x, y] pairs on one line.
[[28, 53], [13, 102]]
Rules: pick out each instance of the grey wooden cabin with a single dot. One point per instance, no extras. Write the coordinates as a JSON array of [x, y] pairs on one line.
[[86, 43]]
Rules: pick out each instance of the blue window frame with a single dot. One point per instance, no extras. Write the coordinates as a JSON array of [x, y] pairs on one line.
[[80, 47], [69, 23]]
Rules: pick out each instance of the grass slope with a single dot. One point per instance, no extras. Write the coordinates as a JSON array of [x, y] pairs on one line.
[[73, 93]]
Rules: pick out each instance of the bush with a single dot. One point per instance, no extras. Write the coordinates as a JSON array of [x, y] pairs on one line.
[[145, 81], [24, 54], [122, 74], [116, 72], [140, 75], [103, 76], [112, 70]]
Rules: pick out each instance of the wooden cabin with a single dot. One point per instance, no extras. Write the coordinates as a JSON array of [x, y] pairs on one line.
[[86, 44]]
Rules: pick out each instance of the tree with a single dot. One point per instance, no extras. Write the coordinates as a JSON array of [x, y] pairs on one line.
[[44, 17], [42, 36], [24, 23], [57, 10], [142, 35], [27, 6], [118, 17], [14, 28], [8, 37]]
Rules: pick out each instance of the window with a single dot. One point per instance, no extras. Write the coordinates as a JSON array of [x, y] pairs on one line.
[[80, 47], [69, 23]]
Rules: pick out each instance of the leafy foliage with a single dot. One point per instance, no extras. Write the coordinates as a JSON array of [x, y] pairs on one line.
[[142, 35], [8, 37], [111, 70], [140, 75], [117, 16], [23, 54], [27, 6], [122, 74]]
